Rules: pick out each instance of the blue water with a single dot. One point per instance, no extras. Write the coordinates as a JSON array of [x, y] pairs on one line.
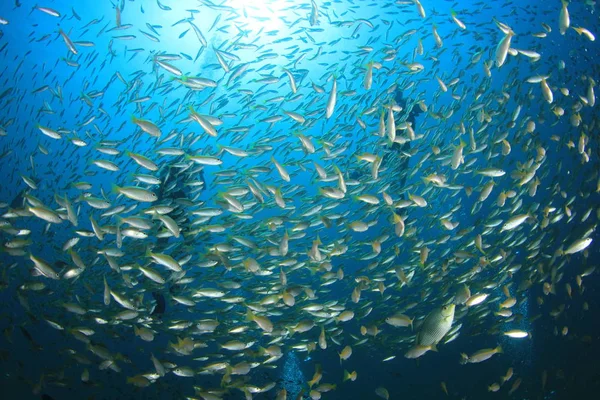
[[116, 75]]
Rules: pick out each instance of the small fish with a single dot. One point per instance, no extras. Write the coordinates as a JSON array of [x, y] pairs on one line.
[[400, 320], [263, 322], [332, 100], [135, 193], [48, 11], [517, 334], [564, 20], [345, 353], [481, 355], [147, 126]]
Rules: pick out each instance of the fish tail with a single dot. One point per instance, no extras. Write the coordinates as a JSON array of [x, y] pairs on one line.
[[346, 376], [249, 315], [261, 350]]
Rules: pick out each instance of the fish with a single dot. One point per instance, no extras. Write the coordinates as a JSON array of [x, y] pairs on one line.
[[331, 100], [503, 47], [382, 392], [323, 177], [400, 320], [135, 193], [578, 245], [435, 326], [147, 126], [314, 13], [345, 353], [517, 334], [419, 350], [263, 322], [43, 267], [481, 355], [564, 19]]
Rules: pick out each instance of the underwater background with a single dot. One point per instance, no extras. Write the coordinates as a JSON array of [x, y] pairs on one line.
[[321, 166]]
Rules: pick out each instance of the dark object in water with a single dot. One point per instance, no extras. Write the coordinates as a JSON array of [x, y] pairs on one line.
[[17, 202], [403, 148], [28, 336], [160, 304], [172, 191], [414, 112], [46, 397]]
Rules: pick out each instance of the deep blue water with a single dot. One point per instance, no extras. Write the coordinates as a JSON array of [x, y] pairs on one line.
[[244, 51]]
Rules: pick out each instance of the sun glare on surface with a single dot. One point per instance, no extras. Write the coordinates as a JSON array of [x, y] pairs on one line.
[[260, 13]]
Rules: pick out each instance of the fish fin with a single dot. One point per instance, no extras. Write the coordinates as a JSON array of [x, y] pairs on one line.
[[249, 315], [346, 376]]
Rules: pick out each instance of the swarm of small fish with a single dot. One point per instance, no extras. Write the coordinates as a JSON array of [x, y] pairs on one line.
[[245, 197]]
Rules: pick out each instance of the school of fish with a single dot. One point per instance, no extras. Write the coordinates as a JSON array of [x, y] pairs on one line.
[[223, 208]]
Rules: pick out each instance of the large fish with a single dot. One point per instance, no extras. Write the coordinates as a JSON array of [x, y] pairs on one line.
[[435, 326]]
